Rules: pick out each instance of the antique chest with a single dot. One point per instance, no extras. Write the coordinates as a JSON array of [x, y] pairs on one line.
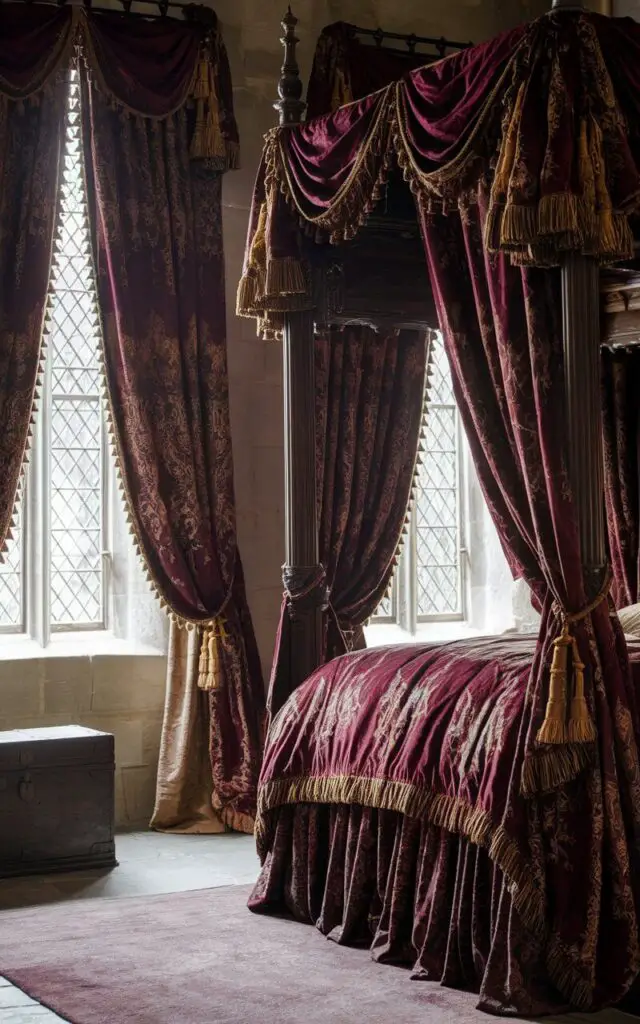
[[56, 800]]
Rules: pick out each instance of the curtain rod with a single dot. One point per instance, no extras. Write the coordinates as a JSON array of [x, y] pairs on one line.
[[412, 40], [187, 11]]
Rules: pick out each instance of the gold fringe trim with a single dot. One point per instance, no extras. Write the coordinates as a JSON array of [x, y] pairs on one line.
[[285, 276], [236, 821], [546, 770], [453, 815], [417, 463]]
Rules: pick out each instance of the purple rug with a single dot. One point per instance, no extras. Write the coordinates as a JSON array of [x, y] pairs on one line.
[[202, 958]]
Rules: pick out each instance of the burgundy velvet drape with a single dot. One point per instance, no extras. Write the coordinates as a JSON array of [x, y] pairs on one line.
[[369, 410], [502, 334], [621, 423], [32, 103], [157, 226]]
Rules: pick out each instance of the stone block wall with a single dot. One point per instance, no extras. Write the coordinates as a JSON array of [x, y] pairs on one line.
[[115, 692]]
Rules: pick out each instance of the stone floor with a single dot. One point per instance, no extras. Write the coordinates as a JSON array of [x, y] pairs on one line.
[[153, 863], [148, 863]]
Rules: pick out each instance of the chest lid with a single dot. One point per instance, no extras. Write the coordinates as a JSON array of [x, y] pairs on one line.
[[55, 746]]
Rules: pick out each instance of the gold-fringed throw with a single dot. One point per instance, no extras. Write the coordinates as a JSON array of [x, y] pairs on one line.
[[209, 664], [580, 728], [208, 141]]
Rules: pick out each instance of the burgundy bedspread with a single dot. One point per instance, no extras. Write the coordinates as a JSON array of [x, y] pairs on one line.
[[431, 734]]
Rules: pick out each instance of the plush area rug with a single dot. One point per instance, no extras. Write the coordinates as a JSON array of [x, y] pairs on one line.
[[202, 958]]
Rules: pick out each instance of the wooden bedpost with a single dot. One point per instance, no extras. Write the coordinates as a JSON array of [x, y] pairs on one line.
[[301, 527], [581, 336]]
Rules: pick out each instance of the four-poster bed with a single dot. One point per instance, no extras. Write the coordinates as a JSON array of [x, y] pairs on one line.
[[472, 808]]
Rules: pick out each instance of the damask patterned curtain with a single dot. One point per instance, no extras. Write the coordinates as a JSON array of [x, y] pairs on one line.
[[369, 409], [34, 47], [156, 139], [621, 423]]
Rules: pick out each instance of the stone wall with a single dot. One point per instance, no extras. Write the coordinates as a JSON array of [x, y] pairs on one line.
[[121, 693]]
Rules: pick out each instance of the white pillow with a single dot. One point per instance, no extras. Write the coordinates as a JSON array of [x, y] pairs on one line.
[[630, 620]]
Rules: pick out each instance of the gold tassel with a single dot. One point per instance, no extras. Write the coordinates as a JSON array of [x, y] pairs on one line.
[[250, 295], [207, 141], [553, 729], [581, 727], [247, 294], [341, 93], [209, 663]]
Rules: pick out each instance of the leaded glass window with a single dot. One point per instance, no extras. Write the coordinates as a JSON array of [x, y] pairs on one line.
[[65, 490], [428, 584]]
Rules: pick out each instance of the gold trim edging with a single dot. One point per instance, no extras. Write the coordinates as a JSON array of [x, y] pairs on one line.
[[453, 815]]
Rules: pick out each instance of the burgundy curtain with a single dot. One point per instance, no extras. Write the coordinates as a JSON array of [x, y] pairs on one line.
[[33, 47], [369, 408], [503, 338], [345, 69], [621, 423], [156, 219]]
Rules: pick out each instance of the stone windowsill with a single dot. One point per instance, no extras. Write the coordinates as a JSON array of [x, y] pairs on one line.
[[89, 644], [383, 634]]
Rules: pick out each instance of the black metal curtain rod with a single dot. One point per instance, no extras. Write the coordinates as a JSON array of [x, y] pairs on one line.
[[411, 39], [187, 11]]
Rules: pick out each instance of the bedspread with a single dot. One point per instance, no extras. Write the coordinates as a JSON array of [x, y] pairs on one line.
[[434, 732]]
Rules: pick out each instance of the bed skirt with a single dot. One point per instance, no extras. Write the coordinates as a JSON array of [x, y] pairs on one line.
[[416, 894]]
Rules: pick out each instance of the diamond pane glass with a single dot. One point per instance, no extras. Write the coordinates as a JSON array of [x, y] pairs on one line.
[[437, 501], [76, 436], [11, 618]]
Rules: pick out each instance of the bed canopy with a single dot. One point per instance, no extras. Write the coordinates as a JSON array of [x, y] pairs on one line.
[[538, 131], [521, 158]]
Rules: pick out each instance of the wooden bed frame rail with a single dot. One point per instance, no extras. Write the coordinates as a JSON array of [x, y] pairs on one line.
[[581, 335]]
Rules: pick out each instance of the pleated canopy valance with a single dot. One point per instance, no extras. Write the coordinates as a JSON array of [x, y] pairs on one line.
[[544, 119], [149, 67]]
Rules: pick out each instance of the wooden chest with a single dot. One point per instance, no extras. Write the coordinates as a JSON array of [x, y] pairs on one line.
[[56, 800]]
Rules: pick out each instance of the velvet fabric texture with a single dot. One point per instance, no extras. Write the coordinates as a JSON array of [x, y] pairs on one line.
[[346, 68], [32, 107], [158, 129], [415, 894], [621, 423], [546, 117], [369, 409], [156, 215], [468, 879]]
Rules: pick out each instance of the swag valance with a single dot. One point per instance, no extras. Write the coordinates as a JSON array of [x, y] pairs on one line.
[[535, 120], [152, 68]]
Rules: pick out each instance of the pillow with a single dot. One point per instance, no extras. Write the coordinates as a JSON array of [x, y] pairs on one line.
[[630, 620]]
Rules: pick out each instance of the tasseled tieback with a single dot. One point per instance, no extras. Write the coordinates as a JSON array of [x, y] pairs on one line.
[[580, 727], [209, 665]]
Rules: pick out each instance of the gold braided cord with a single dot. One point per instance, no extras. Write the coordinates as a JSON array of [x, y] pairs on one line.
[[531, 225], [453, 173], [359, 192]]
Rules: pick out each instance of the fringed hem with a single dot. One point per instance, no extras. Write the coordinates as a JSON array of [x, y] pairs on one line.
[[447, 812], [546, 770], [453, 815], [236, 820]]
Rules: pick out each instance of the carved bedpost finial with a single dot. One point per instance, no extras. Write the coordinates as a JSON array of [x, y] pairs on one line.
[[290, 106]]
